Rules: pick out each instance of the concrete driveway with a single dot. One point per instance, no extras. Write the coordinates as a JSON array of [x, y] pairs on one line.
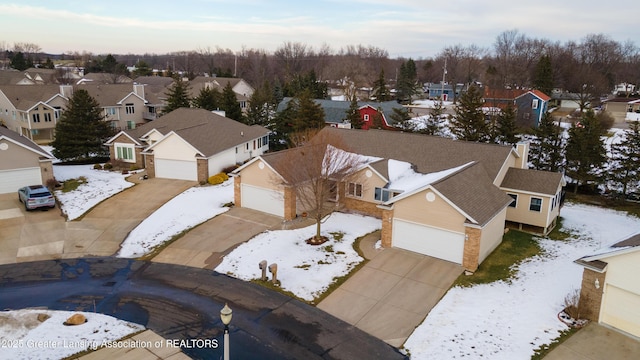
[[595, 342], [205, 245], [44, 235], [392, 293]]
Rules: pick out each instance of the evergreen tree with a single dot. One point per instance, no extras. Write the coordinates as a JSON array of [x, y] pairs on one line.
[[308, 114], [402, 119], [261, 106], [353, 114], [434, 124], [208, 98], [229, 103], [380, 91], [377, 122], [142, 69], [109, 64], [547, 147], [178, 96], [544, 75], [48, 64], [19, 62], [585, 152], [306, 82], [407, 81], [625, 157], [81, 131], [469, 122], [506, 129]]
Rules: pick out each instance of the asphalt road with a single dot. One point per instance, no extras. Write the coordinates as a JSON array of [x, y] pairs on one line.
[[180, 302]]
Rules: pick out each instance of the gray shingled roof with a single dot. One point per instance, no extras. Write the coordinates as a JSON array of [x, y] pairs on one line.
[[473, 192], [428, 153], [541, 182], [4, 132], [24, 97], [209, 133], [107, 94], [471, 189]]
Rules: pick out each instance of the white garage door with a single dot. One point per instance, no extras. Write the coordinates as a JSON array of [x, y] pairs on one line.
[[261, 199], [441, 244], [621, 309], [176, 169], [12, 180]]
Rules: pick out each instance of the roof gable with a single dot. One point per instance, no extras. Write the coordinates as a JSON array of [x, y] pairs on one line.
[[535, 181], [596, 261], [206, 131], [24, 142]]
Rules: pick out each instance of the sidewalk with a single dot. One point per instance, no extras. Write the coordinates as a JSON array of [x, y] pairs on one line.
[[142, 348]]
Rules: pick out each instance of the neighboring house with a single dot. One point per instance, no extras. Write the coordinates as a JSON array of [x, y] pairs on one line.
[[104, 78], [610, 292], [33, 111], [335, 112], [530, 107], [243, 90], [447, 91], [189, 144], [156, 89], [565, 100], [500, 98], [124, 105], [622, 109], [22, 162], [435, 196]]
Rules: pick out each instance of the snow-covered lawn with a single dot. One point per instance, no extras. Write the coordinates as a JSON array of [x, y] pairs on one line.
[[305, 270], [99, 185], [24, 337], [192, 207], [509, 320]]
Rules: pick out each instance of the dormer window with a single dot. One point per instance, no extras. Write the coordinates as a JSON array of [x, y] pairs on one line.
[[382, 194]]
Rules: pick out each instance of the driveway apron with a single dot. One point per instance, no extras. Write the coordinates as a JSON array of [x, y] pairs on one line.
[[43, 235], [392, 293]]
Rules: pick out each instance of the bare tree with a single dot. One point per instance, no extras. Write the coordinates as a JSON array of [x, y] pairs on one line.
[[314, 171]]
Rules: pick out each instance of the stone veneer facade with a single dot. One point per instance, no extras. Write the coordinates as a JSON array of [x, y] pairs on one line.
[[203, 170], [289, 203], [237, 191], [471, 248], [151, 169], [590, 297], [387, 227]]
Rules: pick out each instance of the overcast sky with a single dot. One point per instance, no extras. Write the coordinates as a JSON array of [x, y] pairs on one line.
[[408, 28]]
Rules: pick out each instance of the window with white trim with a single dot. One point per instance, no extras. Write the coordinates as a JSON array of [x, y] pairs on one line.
[[382, 194], [36, 118], [513, 203], [47, 117], [111, 111], [354, 189], [130, 108], [366, 117], [535, 204], [125, 152], [534, 104]]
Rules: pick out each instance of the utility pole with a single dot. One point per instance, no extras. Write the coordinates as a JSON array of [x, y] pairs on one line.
[[444, 74]]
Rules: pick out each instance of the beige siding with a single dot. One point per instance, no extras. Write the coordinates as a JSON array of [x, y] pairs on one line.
[[522, 214], [438, 213], [369, 183], [492, 235], [17, 157], [174, 148], [620, 271], [265, 177], [509, 163]]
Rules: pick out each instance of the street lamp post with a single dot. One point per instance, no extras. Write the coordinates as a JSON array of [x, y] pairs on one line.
[[225, 315]]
